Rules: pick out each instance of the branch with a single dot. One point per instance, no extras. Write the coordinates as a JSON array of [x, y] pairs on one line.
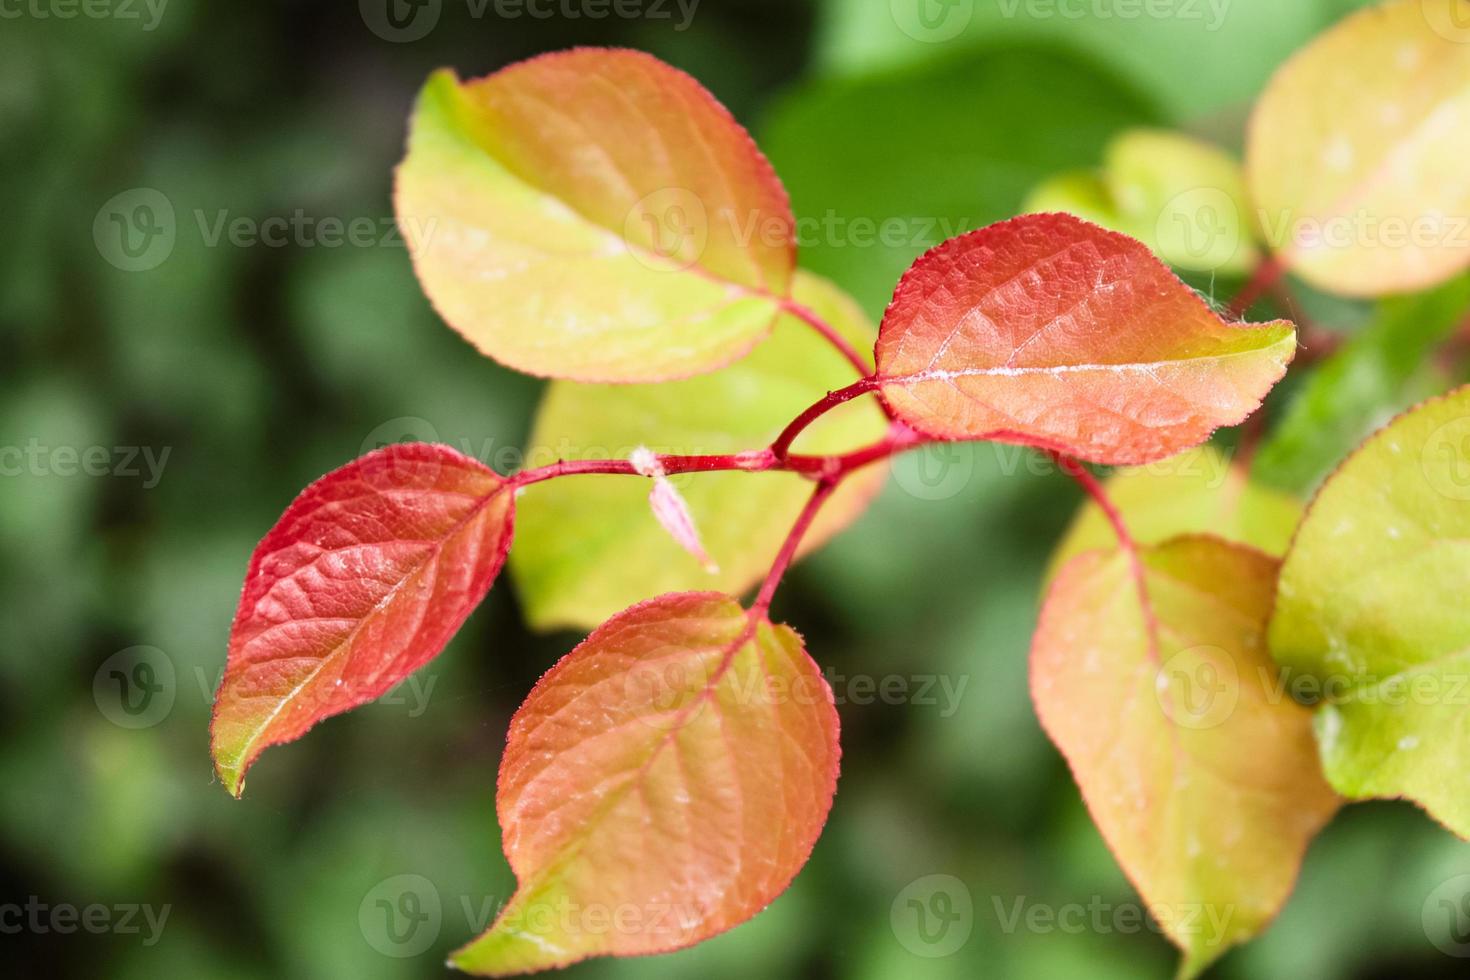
[[1099, 494], [898, 438], [1267, 273], [831, 400], [809, 316], [788, 549]]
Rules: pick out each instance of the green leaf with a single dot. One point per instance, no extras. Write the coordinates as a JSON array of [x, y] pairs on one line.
[[1195, 492], [589, 546], [1371, 613], [1078, 192], [1155, 684], [1379, 372], [1202, 56], [961, 143]]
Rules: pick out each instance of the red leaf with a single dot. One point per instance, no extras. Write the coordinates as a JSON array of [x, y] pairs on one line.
[[663, 782], [1048, 331], [364, 579]]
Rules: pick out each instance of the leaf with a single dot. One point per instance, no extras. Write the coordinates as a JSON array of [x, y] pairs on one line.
[[1371, 614], [594, 214], [1200, 774], [1379, 372], [669, 508], [1195, 492], [1195, 58], [963, 141], [1048, 331], [1356, 152], [1185, 197], [589, 546], [1181, 196], [1081, 193], [662, 783], [367, 575]]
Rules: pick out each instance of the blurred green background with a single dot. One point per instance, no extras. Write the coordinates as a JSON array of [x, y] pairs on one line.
[[257, 367]]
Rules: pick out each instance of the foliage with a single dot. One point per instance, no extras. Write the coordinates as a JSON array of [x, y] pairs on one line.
[[596, 216]]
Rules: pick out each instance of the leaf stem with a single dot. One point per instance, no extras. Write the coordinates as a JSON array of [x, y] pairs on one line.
[[810, 317], [757, 461], [781, 447], [1267, 273], [787, 554], [1126, 542], [898, 438]]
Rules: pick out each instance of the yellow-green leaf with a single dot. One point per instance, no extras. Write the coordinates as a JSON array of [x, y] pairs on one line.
[[1201, 775], [1356, 153], [1372, 617], [594, 214], [1182, 197], [589, 546]]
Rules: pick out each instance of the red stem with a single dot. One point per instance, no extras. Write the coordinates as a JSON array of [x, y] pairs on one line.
[[821, 468], [757, 461], [809, 316], [787, 554], [782, 445], [1267, 273], [1099, 494]]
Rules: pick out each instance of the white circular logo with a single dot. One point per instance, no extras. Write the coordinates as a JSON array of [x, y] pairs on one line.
[[400, 21], [401, 916], [937, 471], [1198, 687], [1450, 19], [1200, 226], [1446, 917], [135, 230], [135, 688], [933, 916], [1445, 459], [932, 21], [671, 228]]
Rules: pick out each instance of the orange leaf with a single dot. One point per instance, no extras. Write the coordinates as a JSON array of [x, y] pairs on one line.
[[1356, 152], [1049, 331], [596, 215], [662, 783], [1199, 769]]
